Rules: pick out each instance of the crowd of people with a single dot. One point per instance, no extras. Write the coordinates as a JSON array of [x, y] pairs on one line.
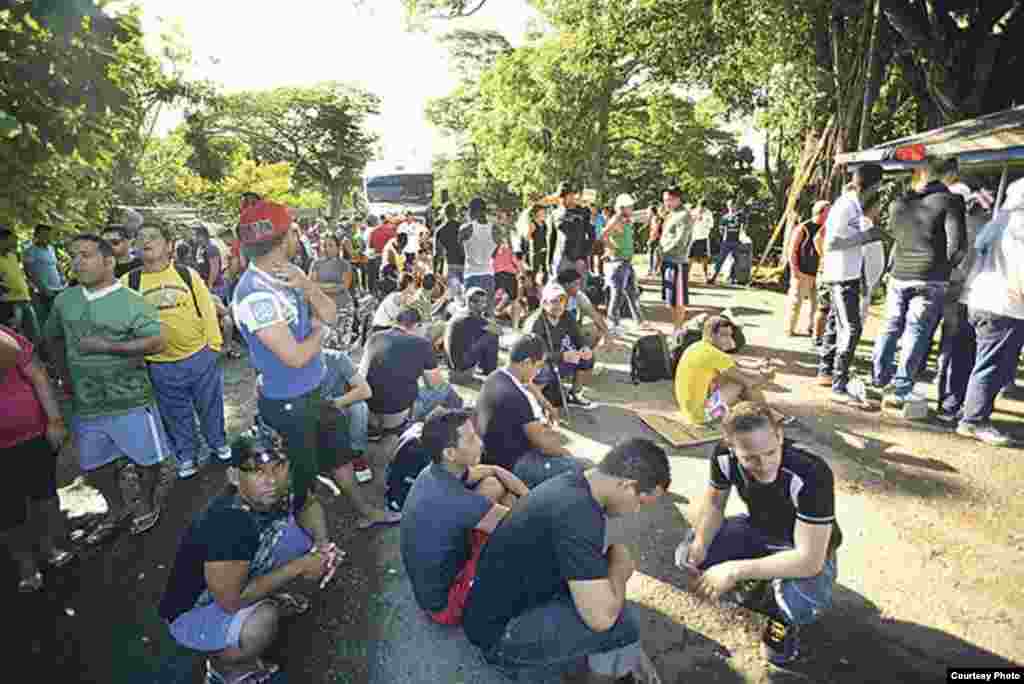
[[351, 330]]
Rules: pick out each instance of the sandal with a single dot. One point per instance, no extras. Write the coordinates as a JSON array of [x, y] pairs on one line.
[[144, 523], [290, 605], [263, 673], [107, 530], [31, 584]]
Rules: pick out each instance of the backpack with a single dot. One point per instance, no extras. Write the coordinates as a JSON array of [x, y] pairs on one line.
[[650, 360], [135, 282], [409, 460], [807, 257]]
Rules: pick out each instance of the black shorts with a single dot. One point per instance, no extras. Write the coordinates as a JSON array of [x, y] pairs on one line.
[[34, 479], [699, 249], [675, 283], [507, 282]]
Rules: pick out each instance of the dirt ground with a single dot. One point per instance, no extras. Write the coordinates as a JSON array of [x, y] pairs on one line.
[[930, 572]]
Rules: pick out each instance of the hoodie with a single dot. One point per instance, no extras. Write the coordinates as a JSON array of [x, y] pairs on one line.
[[930, 234], [996, 281]]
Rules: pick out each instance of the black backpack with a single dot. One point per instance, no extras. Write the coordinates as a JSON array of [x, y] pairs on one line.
[[807, 254], [135, 282], [650, 360], [409, 460]]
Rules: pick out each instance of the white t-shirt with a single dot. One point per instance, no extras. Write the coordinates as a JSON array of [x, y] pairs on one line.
[[844, 221], [703, 221], [996, 281]]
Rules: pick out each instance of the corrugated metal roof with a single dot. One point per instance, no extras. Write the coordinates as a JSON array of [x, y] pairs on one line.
[[992, 139]]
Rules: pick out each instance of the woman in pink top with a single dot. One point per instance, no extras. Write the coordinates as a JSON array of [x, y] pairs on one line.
[[506, 283], [31, 434]]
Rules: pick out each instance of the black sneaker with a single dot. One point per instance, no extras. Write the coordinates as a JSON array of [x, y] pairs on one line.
[[574, 398], [780, 643]]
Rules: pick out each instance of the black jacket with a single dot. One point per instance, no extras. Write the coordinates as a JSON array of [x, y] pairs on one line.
[[930, 233]]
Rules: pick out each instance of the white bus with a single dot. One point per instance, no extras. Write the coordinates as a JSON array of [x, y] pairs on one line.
[[394, 188]]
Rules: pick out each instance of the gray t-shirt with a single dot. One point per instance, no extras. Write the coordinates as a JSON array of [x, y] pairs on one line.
[[332, 271]]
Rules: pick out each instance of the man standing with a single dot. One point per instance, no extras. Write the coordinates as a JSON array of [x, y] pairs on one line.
[[700, 249], [378, 238], [548, 591], [803, 269], [480, 241], [210, 262], [845, 236], [223, 596], [779, 559], [280, 313], [470, 339], [516, 421], [121, 242], [929, 231], [994, 293], [42, 270], [733, 223], [100, 332], [454, 504], [448, 246], [569, 355], [187, 375], [618, 233], [676, 236], [569, 228]]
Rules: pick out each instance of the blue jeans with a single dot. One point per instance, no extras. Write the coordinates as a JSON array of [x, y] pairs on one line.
[[802, 601], [533, 467], [338, 370], [842, 333], [484, 280], [553, 634], [430, 398], [185, 388], [999, 343], [623, 282], [724, 251], [957, 349], [912, 312], [455, 281]]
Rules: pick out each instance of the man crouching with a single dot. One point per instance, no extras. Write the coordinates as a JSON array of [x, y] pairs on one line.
[[222, 596]]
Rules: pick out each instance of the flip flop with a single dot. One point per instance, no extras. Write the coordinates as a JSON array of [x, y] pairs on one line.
[[291, 605], [107, 530], [389, 522], [261, 675], [144, 523], [58, 558]]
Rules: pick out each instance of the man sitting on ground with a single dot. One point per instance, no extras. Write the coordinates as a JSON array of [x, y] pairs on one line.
[[222, 595], [580, 307], [567, 350], [392, 363], [547, 591], [781, 558], [517, 422], [472, 340], [451, 509], [708, 380]]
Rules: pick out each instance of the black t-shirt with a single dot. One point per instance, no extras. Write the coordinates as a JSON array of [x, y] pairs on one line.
[[540, 237], [438, 516], [803, 490], [223, 532], [395, 360], [120, 269], [502, 412], [564, 336], [557, 535], [463, 332], [448, 237], [574, 233]]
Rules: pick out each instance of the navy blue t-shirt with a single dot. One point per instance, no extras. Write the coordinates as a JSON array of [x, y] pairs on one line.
[[395, 360], [557, 535], [225, 531], [439, 514], [463, 332]]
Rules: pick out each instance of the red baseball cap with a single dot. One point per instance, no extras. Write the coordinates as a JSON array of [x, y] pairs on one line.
[[263, 221]]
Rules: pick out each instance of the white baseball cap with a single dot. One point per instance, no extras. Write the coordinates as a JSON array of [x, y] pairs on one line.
[[624, 200], [551, 292]]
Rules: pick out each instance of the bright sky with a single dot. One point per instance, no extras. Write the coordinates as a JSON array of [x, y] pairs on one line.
[[301, 42]]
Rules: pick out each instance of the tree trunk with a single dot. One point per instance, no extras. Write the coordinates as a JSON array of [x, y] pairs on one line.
[[869, 81], [337, 195]]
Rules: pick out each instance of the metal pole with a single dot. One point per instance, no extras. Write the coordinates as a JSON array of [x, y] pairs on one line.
[[1001, 195]]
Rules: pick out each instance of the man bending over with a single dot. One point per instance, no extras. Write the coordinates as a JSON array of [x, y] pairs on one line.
[[451, 509], [781, 556]]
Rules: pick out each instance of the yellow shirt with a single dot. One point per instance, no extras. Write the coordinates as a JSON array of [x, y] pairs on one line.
[[13, 283], [183, 330], [698, 367]]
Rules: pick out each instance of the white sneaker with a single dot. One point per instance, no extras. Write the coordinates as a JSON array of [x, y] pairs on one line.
[[186, 470], [224, 453]]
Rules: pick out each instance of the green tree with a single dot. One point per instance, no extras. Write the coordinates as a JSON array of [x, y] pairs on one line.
[[320, 131]]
